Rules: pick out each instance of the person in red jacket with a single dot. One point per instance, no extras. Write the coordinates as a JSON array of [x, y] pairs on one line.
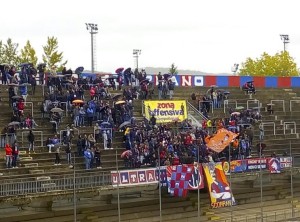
[[21, 107], [8, 155], [92, 92]]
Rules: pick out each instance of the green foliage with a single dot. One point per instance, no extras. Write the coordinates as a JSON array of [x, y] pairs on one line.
[[281, 64], [51, 55], [173, 69], [10, 53], [28, 54], [1, 53]]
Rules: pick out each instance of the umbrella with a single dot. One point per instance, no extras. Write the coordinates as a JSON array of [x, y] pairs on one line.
[[105, 124], [213, 86], [226, 92], [145, 81], [239, 108], [119, 70], [14, 123], [77, 101], [120, 102], [235, 113], [270, 104], [56, 110], [17, 97], [126, 123], [250, 81], [25, 84], [117, 96], [25, 64], [126, 153], [79, 70], [128, 70]]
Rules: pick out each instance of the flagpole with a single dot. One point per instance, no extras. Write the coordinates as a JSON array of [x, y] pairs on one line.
[[292, 188], [261, 189], [159, 186], [198, 189], [118, 181], [230, 184]]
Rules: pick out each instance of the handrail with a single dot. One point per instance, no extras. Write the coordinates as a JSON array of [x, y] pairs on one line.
[[65, 182], [293, 100], [270, 123], [42, 137], [256, 101], [227, 101], [279, 100], [31, 103], [66, 107], [190, 106], [289, 123]]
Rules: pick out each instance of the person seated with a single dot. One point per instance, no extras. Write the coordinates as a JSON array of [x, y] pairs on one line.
[[248, 87], [52, 143], [270, 109]]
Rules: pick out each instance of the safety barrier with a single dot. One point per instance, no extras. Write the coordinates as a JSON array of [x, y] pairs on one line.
[[31, 103], [293, 101], [270, 123], [192, 108], [7, 138], [34, 132], [16, 187], [255, 101], [227, 102], [281, 101], [285, 124]]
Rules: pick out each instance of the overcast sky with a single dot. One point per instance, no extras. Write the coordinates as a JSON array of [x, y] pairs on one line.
[[208, 36]]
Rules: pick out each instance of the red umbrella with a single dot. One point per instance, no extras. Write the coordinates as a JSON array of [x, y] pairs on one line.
[[119, 70]]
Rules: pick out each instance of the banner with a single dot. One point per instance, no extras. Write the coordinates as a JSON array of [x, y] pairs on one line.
[[218, 186], [138, 177], [197, 180], [166, 111], [220, 140], [246, 165], [274, 165], [179, 183]]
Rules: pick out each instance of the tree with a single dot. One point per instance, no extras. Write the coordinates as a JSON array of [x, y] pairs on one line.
[[10, 53], [281, 64], [51, 55], [173, 69], [28, 54]]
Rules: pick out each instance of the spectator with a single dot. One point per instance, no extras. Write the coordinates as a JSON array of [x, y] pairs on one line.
[[261, 132], [57, 156], [105, 139], [30, 138], [8, 155], [87, 157], [80, 145], [68, 153], [97, 132], [171, 85], [53, 143], [98, 158], [15, 155]]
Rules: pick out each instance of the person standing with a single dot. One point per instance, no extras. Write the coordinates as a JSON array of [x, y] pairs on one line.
[[87, 158], [8, 155], [57, 156], [261, 132], [15, 155], [98, 158], [30, 138], [68, 153]]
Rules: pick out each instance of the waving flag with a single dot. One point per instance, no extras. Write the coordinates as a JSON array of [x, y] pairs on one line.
[[221, 140], [179, 183]]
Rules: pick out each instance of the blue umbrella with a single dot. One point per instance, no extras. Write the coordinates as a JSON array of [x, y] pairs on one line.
[[79, 70]]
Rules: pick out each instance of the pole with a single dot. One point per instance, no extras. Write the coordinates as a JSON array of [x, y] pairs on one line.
[[159, 187], [198, 190], [137, 61], [92, 49], [74, 190], [261, 189], [230, 184], [117, 166], [292, 188]]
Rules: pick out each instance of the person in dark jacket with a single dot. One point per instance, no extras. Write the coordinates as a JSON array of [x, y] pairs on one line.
[[30, 138]]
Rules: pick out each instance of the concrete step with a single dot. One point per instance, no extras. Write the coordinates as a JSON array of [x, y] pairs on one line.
[[28, 165], [43, 178], [36, 171]]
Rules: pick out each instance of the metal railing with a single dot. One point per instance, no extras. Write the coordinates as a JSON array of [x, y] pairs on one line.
[[227, 102], [7, 138], [255, 101], [295, 101], [281, 101], [34, 132], [66, 104], [269, 124], [192, 108], [18, 187], [31, 103], [285, 124]]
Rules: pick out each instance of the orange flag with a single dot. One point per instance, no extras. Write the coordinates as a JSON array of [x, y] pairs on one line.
[[220, 140]]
